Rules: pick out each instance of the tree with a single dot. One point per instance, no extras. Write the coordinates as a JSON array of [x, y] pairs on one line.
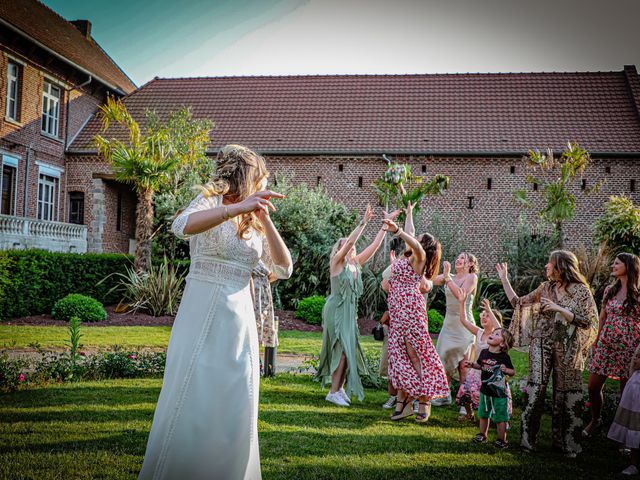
[[559, 201], [152, 158]]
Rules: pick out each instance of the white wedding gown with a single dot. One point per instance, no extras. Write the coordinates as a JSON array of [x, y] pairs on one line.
[[205, 423]]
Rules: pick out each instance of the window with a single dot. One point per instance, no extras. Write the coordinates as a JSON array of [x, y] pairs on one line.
[[9, 185], [632, 185], [424, 169], [340, 168], [535, 187], [76, 208], [489, 183], [512, 169], [50, 109], [48, 189], [584, 184], [13, 91], [318, 180], [360, 182], [607, 169], [470, 205], [119, 213]]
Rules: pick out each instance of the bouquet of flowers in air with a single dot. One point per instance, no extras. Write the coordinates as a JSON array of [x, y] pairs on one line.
[[397, 174]]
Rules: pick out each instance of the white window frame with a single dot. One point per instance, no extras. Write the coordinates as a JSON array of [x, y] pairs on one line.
[[48, 177], [12, 112], [51, 108], [12, 162]]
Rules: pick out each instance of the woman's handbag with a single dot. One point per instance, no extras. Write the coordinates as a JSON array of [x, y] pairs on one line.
[[378, 332]]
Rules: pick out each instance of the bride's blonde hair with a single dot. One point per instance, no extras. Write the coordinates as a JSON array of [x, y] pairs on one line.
[[239, 172]]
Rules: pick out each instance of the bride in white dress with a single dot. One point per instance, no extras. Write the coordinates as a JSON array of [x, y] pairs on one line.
[[205, 423]]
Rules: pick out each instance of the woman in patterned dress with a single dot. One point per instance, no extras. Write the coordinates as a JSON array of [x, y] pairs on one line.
[[414, 366], [558, 323], [618, 335]]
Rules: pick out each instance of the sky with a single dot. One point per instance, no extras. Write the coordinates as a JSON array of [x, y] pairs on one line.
[[169, 38]]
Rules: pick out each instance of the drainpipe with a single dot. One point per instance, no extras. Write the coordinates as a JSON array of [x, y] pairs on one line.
[[25, 197], [66, 123]]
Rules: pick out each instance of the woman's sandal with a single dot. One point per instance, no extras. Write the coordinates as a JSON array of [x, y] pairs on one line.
[[406, 410], [596, 426], [480, 438], [423, 417]]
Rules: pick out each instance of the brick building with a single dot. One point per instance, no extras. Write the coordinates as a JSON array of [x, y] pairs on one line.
[[475, 128], [53, 75]]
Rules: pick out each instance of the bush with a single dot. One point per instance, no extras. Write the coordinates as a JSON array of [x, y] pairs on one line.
[[436, 319], [619, 227], [85, 308], [31, 281], [310, 309], [11, 373], [157, 291]]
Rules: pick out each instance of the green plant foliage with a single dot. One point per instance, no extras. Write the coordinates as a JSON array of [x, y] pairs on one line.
[[78, 307], [310, 222], [31, 281], [157, 291], [310, 309], [526, 249], [436, 320], [559, 200], [619, 227], [373, 300]]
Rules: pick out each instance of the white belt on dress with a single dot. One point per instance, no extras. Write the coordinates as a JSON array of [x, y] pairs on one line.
[[220, 271]]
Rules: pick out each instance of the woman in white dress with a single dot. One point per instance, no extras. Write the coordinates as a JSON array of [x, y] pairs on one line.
[[205, 423], [454, 341]]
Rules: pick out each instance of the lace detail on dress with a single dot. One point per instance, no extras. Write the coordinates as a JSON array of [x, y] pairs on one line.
[[279, 271], [197, 204], [215, 271]]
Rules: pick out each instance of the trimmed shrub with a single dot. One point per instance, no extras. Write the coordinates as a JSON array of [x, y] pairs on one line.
[[310, 309], [31, 281], [85, 308], [436, 319]]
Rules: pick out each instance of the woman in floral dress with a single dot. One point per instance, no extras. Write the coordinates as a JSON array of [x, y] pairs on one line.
[[618, 335], [414, 366]]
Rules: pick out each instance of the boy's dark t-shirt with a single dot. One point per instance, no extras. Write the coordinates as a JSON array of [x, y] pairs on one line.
[[494, 382]]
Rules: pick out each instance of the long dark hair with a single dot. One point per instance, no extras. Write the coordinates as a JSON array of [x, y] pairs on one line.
[[433, 251], [568, 267], [632, 302]]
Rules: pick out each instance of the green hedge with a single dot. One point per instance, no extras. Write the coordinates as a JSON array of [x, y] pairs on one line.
[[436, 319], [310, 309], [31, 281]]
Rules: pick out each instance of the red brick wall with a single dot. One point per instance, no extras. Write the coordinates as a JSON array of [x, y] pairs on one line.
[[25, 139], [480, 225]]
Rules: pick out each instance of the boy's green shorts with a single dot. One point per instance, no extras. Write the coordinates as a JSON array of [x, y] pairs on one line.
[[493, 408]]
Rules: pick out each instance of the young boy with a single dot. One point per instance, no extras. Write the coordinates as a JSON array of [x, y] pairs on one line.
[[495, 364]]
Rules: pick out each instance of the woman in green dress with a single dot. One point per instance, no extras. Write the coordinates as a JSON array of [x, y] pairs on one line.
[[341, 357]]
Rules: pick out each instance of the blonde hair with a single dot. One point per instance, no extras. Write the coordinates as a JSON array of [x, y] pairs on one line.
[[498, 315], [335, 248], [238, 174], [507, 338], [474, 266]]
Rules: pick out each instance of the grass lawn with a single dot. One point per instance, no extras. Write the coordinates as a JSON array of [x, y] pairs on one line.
[[99, 430]]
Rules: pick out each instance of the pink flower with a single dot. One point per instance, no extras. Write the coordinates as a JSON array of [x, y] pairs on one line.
[[22, 378], [524, 389], [132, 357], [82, 354], [587, 404]]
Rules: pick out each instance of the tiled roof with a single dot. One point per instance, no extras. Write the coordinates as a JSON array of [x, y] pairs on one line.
[[42, 24], [413, 114]]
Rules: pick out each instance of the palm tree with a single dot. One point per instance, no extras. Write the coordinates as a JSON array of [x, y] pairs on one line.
[[149, 160]]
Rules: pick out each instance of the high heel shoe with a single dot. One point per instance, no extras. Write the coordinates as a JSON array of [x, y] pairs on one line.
[[406, 410], [595, 427]]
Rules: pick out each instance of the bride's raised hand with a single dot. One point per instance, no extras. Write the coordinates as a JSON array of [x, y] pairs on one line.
[[259, 201], [368, 215]]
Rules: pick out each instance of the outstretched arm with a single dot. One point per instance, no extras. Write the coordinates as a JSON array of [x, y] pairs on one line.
[[364, 256], [463, 313], [418, 257], [352, 239], [504, 278], [469, 285], [408, 221], [486, 305]]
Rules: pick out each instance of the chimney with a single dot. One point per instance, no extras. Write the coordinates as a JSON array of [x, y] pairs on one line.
[[84, 26]]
